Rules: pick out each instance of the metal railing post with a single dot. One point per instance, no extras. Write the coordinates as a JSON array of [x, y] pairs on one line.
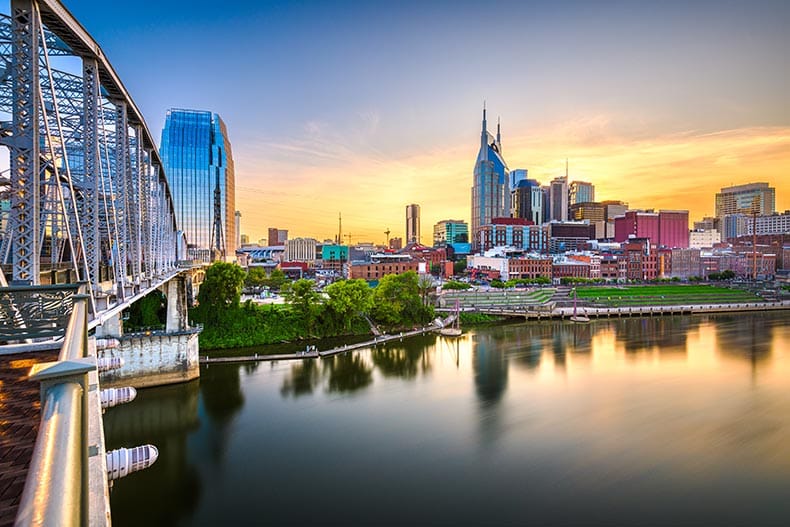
[[57, 488]]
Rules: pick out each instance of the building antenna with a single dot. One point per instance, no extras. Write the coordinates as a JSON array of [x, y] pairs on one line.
[[339, 228], [566, 168]]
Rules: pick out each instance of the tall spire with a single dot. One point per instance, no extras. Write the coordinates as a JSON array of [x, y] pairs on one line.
[[566, 168], [498, 136], [484, 133]]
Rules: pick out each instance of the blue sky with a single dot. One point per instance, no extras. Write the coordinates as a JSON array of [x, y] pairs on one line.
[[365, 107]]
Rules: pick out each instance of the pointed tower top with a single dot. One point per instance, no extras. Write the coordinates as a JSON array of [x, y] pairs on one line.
[[566, 168]]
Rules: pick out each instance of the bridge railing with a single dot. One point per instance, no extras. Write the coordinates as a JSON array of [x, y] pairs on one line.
[[57, 489]]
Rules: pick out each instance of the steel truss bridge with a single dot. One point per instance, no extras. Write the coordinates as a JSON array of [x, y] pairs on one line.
[[85, 194]]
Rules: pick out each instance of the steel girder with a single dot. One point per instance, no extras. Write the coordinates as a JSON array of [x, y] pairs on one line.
[[24, 144], [85, 172]]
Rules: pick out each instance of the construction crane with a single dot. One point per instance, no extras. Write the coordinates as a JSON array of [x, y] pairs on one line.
[[348, 237]]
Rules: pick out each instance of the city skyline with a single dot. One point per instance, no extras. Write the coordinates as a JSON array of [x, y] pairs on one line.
[[653, 109]]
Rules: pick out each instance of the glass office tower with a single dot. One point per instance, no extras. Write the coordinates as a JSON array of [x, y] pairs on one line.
[[491, 185], [198, 162]]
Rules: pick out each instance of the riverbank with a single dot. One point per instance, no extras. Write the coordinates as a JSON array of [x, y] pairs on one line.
[[312, 352]]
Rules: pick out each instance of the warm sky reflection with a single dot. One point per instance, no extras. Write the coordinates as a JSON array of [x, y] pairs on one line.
[[636, 421]]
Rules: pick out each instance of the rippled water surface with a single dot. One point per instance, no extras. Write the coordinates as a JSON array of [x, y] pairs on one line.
[[676, 420]]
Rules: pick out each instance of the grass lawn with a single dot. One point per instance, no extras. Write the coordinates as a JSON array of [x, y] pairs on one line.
[[664, 295]]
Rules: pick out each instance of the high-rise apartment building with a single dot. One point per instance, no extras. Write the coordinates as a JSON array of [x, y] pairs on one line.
[[412, 223], [558, 199], [450, 231], [746, 199], [490, 184], [581, 192], [198, 161]]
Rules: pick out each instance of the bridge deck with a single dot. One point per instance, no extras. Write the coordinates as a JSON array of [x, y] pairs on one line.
[[19, 420]]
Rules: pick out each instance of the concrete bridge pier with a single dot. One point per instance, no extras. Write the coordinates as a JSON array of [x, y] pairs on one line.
[[155, 358]]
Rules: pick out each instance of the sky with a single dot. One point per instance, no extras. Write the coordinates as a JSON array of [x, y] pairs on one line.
[[365, 107]]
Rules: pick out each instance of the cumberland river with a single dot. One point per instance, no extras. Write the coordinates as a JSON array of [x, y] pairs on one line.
[[675, 420]]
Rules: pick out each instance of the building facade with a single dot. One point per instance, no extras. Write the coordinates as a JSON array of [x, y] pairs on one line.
[[412, 223], [301, 250], [449, 232], [198, 161], [490, 184], [526, 201], [665, 228], [746, 199], [581, 192], [558, 199]]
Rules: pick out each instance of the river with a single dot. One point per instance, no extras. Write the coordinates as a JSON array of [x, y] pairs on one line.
[[666, 420]]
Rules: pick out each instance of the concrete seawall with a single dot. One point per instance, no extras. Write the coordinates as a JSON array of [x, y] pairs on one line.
[[154, 359]]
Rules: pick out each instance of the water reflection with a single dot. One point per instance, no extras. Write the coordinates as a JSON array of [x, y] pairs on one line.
[[304, 378], [164, 417], [348, 372], [616, 420], [490, 367]]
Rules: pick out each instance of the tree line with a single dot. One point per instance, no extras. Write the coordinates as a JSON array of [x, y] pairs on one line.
[[345, 307]]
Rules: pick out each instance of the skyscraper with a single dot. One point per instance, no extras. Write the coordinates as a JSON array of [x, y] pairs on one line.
[[746, 199], [412, 223], [198, 161], [558, 198], [581, 192], [527, 201], [490, 186]]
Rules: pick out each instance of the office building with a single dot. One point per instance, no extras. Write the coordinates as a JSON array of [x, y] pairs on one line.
[[746, 199], [558, 199], [449, 232], [490, 186], [703, 238], [581, 192], [412, 223], [770, 224], [665, 228], [300, 250], [517, 175], [238, 229], [198, 161], [277, 236], [592, 212], [527, 201]]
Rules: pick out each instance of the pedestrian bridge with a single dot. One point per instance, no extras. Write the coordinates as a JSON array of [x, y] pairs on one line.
[[88, 228]]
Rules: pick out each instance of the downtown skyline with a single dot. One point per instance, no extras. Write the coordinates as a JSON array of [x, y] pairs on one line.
[[649, 104]]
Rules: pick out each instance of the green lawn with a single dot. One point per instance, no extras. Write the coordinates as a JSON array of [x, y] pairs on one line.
[[664, 295]]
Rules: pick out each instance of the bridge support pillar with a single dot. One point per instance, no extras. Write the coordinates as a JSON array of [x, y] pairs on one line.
[[176, 293], [111, 328]]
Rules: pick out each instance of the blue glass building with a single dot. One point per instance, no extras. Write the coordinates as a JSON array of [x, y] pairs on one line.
[[198, 161], [491, 184]]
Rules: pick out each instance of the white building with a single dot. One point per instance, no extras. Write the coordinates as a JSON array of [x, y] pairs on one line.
[[704, 238], [300, 250]]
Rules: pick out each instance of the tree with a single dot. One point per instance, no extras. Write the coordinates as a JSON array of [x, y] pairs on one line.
[[459, 267], [256, 277], [305, 300], [727, 275], [222, 287], [276, 279], [424, 284], [396, 301], [497, 283], [148, 312], [349, 298]]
